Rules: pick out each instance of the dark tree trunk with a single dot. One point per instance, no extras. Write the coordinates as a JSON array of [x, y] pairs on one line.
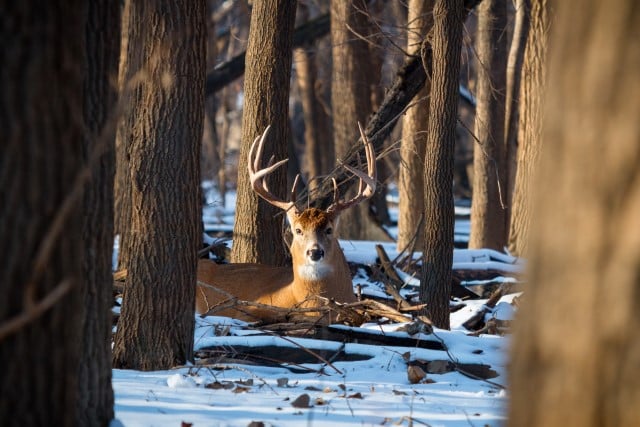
[[438, 165], [351, 102], [576, 349], [95, 398], [155, 329], [489, 210], [257, 231], [41, 187], [530, 125]]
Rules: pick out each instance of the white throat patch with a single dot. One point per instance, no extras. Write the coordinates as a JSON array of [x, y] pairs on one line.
[[314, 271]]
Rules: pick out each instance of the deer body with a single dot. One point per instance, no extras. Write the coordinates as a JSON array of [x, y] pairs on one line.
[[319, 265]]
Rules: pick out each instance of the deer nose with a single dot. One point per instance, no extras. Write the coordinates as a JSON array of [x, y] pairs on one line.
[[315, 254]]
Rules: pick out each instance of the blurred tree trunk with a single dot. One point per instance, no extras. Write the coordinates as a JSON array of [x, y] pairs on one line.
[[437, 257], [257, 231], [512, 99], [318, 137], [488, 210], [414, 137], [351, 102], [576, 349], [122, 179], [41, 194], [102, 33], [155, 329], [530, 124]]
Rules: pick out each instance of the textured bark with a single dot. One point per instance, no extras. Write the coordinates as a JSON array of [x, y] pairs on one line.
[[530, 125], [95, 397], [122, 179], [414, 131], [351, 102], [512, 100], [257, 230], [409, 80], [437, 260], [575, 358], [489, 210], [319, 150], [155, 329], [41, 78], [227, 72]]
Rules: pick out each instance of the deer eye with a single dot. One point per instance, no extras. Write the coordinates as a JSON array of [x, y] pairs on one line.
[[298, 231], [329, 231]]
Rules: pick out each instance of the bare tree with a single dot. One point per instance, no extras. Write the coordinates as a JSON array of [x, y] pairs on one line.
[[41, 188], [155, 329], [102, 35], [530, 124], [414, 131], [488, 210], [268, 71], [437, 259], [577, 341]]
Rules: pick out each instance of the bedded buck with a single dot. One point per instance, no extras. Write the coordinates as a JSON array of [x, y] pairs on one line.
[[319, 266]]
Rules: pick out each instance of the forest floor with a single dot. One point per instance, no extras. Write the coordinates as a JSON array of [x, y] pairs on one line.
[[379, 373]]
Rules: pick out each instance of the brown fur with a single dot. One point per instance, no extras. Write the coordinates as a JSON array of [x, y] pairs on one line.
[[282, 286]]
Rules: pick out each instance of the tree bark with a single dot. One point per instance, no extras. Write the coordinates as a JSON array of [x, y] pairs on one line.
[[489, 210], [512, 100], [577, 338], [534, 76], [102, 33], [351, 103], [122, 179], [41, 188], [257, 231], [155, 329], [437, 259], [414, 131]]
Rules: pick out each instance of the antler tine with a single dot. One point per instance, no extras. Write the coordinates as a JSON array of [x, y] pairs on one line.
[[367, 185], [257, 176]]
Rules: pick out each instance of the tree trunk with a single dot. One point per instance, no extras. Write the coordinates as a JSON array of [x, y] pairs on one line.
[[122, 179], [576, 347], [155, 329], [438, 165], [257, 232], [351, 102], [530, 124], [488, 210], [95, 397], [41, 189], [414, 131], [512, 99]]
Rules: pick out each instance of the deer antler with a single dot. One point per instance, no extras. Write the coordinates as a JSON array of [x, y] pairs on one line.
[[257, 176], [367, 185]]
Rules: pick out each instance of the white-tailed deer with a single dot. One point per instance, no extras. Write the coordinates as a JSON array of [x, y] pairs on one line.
[[319, 266]]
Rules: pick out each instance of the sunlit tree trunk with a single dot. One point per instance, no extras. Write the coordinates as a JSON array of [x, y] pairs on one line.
[[257, 232], [155, 329], [489, 210], [576, 349], [414, 137], [530, 124]]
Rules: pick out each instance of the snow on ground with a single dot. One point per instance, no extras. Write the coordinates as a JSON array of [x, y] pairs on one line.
[[372, 391]]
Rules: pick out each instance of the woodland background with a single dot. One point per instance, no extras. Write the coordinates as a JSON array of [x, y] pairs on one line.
[[114, 113]]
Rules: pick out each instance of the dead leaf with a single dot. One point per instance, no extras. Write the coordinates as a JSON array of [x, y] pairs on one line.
[[357, 395], [256, 424], [226, 385], [247, 382], [185, 424], [302, 401], [312, 388], [415, 374], [241, 389], [399, 393], [283, 382], [438, 367]]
